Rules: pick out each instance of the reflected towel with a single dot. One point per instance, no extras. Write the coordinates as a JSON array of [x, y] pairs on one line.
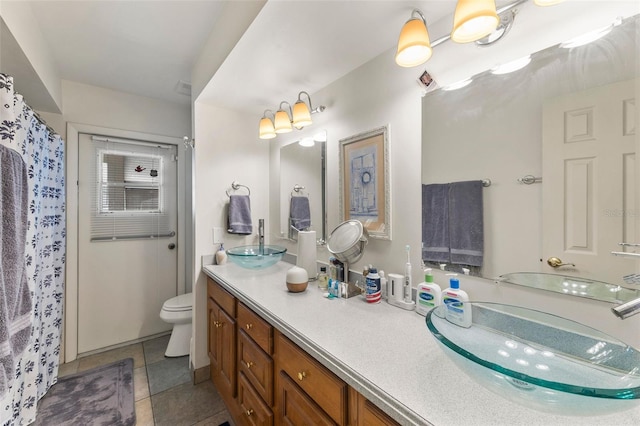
[[239, 215], [466, 226], [435, 223], [15, 297], [300, 213]]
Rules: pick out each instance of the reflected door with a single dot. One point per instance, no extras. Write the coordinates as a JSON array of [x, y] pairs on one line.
[[127, 232], [590, 181]]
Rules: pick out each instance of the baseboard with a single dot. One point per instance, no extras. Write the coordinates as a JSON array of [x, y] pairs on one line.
[[200, 375]]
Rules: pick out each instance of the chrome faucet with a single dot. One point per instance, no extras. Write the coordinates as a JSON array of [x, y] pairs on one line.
[[627, 309], [261, 235]]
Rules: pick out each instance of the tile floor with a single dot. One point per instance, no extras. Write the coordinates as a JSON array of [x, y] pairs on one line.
[[163, 389]]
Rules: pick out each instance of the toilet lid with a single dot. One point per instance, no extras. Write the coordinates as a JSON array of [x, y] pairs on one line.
[[182, 302]]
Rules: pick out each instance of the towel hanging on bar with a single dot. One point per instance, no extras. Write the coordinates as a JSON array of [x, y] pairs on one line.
[[239, 215]]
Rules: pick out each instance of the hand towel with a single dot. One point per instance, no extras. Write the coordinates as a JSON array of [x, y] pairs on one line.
[[15, 297], [466, 226], [435, 223], [239, 215], [300, 212]]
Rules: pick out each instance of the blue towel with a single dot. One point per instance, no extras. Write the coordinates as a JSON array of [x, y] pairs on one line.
[[15, 297], [435, 223], [300, 213], [239, 215], [466, 229]]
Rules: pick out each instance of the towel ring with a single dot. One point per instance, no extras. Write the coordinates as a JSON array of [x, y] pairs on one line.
[[235, 185], [298, 189]]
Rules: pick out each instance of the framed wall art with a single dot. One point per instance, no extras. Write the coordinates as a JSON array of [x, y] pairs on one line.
[[364, 181]]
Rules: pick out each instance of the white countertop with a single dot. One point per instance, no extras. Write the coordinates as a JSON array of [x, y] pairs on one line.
[[385, 353]]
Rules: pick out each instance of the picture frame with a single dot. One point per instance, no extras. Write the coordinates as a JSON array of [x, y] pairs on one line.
[[364, 181]]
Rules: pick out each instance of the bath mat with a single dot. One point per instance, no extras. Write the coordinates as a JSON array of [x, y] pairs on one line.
[[100, 396]]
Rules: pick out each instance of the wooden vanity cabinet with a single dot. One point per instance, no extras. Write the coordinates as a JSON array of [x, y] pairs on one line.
[[221, 307], [255, 368], [265, 379], [307, 389]]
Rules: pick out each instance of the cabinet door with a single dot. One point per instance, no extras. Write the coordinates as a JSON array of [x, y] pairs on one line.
[[256, 365], [227, 354], [370, 415], [295, 407], [213, 343], [255, 411]]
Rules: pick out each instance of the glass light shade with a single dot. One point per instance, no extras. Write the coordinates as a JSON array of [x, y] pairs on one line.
[[458, 85], [473, 20], [282, 122], [307, 142], [546, 2], [414, 46], [586, 38], [266, 129], [301, 115]]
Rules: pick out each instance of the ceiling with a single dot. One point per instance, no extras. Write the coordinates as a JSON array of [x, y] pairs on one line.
[[147, 47]]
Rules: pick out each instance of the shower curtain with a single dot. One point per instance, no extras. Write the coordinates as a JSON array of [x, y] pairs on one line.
[[43, 152]]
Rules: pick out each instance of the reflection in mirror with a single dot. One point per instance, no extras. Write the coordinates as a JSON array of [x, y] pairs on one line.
[[503, 127], [302, 174]]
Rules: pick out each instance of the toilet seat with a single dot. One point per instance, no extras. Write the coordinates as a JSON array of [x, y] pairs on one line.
[[179, 303]]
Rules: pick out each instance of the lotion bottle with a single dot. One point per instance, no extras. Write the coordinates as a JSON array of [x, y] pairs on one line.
[[221, 256], [458, 309], [429, 294]]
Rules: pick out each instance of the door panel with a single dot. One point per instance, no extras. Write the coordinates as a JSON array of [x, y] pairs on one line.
[[590, 183], [123, 283]]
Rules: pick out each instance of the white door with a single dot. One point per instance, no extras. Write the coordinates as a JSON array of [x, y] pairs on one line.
[[590, 181], [127, 231]]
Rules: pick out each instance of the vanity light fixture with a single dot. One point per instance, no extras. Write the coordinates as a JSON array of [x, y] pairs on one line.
[[474, 21], [282, 122], [302, 112], [512, 66], [267, 130], [299, 117], [414, 46], [458, 85]]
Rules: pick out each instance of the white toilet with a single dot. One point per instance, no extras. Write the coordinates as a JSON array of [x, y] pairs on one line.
[[177, 311]]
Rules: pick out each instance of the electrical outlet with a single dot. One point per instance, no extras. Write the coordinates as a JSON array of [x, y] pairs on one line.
[[218, 234]]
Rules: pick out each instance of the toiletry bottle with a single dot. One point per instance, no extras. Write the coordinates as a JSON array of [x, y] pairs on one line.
[[429, 294], [383, 284], [323, 278], [332, 269], [407, 278], [221, 256], [458, 310], [372, 293]]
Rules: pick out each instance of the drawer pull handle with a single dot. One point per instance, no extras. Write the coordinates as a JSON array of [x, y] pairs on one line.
[[249, 412], [302, 375], [249, 364], [248, 326], [217, 324]]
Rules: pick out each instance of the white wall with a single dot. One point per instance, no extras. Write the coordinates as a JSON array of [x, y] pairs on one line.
[[375, 94], [94, 105], [19, 19], [227, 150]]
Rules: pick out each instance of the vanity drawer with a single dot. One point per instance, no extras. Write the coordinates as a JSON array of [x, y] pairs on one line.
[[256, 365], [257, 328], [254, 410], [322, 386], [222, 297]]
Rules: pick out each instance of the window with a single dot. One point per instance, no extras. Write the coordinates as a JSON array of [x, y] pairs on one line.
[[130, 190]]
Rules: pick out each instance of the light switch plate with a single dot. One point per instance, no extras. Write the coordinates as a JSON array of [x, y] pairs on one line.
[[218, 235]]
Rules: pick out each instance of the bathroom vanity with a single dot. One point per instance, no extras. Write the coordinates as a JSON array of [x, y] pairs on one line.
[[299, 358]]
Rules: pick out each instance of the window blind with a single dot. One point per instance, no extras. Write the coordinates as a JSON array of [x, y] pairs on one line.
[[129, 198]]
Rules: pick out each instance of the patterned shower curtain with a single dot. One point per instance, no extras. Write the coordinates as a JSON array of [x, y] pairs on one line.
[[43, 153]]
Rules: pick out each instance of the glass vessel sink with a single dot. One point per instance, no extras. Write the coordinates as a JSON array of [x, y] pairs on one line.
[[256, 257], [573, 286], [541, 360]]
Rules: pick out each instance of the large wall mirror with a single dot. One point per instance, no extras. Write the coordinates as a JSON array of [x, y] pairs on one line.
[[503, 127], [302, 174]]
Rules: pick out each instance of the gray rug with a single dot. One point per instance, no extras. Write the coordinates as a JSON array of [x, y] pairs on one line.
[[100, 396]]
